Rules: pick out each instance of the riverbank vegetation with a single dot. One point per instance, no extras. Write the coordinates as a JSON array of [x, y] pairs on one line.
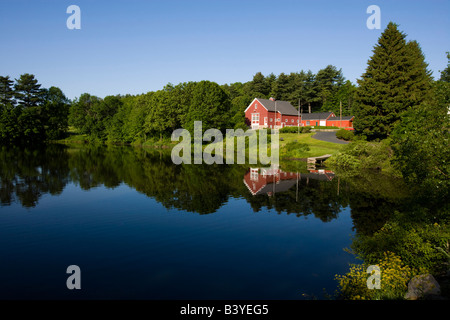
[[402, 127], [30, 114]]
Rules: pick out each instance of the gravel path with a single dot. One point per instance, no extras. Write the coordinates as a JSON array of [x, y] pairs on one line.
[[329, 136]]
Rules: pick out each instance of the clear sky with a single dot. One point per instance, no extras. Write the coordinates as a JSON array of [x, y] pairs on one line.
[[139, 46]]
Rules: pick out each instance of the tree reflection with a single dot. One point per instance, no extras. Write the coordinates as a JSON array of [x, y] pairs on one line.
[[26, 175]]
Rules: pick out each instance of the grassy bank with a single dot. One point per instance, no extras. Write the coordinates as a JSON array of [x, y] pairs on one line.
[[300, 146], [293, 146]]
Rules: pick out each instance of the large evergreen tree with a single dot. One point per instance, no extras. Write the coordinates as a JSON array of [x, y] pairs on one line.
[[328, 82], [28, 91], [395, 79], [445, 74], [6, 91]]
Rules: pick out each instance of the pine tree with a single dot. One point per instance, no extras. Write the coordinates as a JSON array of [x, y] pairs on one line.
[[280, 89], [445, 74], [259, 85], [6, 91], [27, 90], [395, 79]]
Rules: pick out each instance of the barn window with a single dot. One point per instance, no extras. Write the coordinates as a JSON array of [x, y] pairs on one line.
[[307, 123]]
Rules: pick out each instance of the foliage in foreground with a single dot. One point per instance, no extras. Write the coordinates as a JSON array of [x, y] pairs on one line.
[[394, 278], [363, 155]]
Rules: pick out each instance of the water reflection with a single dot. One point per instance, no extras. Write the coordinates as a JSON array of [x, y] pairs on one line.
[[26, 175], [273, 179]]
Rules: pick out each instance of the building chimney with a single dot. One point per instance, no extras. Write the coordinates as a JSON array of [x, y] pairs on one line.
[[272, 99]]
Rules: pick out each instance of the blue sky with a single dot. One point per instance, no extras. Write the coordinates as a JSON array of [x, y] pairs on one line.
[[139, 46]]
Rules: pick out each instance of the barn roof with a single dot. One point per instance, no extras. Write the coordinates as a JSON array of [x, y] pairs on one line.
[[283, 107], [317, 115], [343, 118]]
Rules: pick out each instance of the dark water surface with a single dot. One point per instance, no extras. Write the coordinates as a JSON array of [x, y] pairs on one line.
[[140, 227]]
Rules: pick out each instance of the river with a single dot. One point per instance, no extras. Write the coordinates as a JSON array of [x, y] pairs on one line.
[[140, 227]]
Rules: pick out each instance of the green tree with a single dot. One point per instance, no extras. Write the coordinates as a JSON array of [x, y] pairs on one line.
[[328, 81], [345, 95], [31, 125], [81, 111], [310, 89], [420, 142], [259, 86], [6, 91], [55, 113], [9, 129], [280, 88], [445, 74], [396, 78], [209, 104], [162, 116], [101, 115], [28, 91]]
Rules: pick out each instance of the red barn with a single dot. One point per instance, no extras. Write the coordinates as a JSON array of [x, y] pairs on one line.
[[269, 113], [344, 122], [316, 119]]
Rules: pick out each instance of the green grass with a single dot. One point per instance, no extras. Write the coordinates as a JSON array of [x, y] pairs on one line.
[[316, 147], [307, 146]]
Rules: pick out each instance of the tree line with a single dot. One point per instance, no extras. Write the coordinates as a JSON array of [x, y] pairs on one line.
[[395, 87], [31, 114], [137, 118]]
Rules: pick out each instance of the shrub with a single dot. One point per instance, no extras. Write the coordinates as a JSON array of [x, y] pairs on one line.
[[365, 155], [345, 134], [394, 278], [422, 247], [295, 130], [344, 160], [290, 130]]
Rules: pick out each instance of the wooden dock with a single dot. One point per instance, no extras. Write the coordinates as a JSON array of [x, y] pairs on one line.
[[318, 160]]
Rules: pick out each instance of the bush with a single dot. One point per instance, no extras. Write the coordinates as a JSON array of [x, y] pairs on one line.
[[295, 130], [290, 130], [344, 160], [394, 278], [365, 155], [306, 129], [345, 134], [422, 247]]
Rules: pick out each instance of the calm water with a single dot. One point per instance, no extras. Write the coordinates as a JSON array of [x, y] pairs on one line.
[[140, 227]]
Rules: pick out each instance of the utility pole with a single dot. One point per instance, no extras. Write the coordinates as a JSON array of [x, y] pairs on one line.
[[340, 117], [298, 121]]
